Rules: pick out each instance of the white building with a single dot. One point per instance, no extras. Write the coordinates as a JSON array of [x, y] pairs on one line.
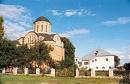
[[100, 59]]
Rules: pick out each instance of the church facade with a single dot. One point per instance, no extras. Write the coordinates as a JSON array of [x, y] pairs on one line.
[[42, 32]]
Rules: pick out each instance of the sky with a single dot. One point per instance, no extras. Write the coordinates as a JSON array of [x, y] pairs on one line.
[[89, 24]]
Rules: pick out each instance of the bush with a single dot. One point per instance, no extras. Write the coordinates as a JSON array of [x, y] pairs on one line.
[[102, 73], [84, 72], [66, 72]]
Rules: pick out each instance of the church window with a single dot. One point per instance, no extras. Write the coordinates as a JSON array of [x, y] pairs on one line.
[[46, 28], [41, 28], [37, 28], [28, 40]]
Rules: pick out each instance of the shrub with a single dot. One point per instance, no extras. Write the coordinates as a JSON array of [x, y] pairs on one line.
[[66, 72], [84, 72]]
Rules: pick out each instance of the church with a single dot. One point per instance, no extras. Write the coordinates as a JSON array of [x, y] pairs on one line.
[[42, 32]]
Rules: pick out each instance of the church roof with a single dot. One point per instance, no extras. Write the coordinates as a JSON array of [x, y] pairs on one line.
[[100, 52], [42, 18], [47, 37]]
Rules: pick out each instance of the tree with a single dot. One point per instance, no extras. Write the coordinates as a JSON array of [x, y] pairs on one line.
[[127, 66], [24, 56], [117, 61], [8, 53], [1, 27], [41, 54], [66, 63], [69, 53]]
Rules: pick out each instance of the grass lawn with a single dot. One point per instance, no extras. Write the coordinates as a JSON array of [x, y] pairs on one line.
[[22, 79]]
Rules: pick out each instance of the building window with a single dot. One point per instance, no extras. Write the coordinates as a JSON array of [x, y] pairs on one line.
[[103, 67], [96, 67], [37, 28], [92, 60], [106, 59], [28, 40], [85, 63], [96, 53], [95, 59], [41, 28], [110, 67], [46, 28]]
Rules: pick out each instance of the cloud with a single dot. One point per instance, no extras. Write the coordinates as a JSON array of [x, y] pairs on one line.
[[122, 53], [55, 12], [72, 12], [74, 32], [17, 20], [118, 21], [116, 52]]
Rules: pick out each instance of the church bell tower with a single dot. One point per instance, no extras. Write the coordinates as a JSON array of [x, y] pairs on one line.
[[42, 25]]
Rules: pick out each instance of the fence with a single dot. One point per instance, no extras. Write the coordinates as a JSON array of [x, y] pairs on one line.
[[65, 72]]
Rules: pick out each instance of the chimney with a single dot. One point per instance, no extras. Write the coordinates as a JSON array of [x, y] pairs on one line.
[[96, 53]]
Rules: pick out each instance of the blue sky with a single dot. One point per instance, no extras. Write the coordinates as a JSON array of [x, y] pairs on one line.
[[89, 24]]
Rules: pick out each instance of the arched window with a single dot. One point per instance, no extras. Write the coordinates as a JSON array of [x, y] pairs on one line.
[[37, 28], [30, 39], [103, 67], [46, 28], [41, 28]]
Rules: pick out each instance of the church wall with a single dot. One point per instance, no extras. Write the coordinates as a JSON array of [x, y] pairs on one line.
[[58, 52], [30, 39], [42, 27], [21, 40]]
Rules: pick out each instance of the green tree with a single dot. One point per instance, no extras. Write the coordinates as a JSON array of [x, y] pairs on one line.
[[24, 56], [69, 53], [1, 27], [69, 62], [117, 61], [8, 53], [127, 66], [41, 54]]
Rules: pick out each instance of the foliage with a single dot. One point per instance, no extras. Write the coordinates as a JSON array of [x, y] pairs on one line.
[[67, 72], [24, 56], [8, 53], [102, 73], [41, 54], [84, 72], [69, 53], [117, 61], [1, 27], [67, 66], [127, 66], [66, 63]]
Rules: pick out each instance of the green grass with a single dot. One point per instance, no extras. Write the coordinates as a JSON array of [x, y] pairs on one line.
[[22, 79]]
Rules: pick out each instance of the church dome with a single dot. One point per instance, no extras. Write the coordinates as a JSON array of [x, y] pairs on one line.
[[42, 18]]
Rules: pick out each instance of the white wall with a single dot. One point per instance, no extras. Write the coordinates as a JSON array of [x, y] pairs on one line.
[[85, 65], [101, 62]]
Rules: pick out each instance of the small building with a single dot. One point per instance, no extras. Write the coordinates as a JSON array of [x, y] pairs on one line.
[[100, 60]]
